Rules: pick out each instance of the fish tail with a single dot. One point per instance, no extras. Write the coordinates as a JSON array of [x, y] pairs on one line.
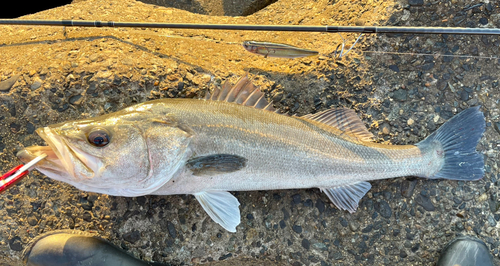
[[456, 141]]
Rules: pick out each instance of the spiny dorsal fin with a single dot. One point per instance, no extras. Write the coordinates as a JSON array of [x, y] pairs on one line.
[[244, 93], [344, 119]]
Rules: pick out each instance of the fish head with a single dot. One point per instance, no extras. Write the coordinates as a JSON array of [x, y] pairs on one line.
[[128, 153], [250, 46]]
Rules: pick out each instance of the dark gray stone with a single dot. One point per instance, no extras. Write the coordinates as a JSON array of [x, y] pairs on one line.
[[425, 202], [16, 244], [400, 95], [383, 209], [171, 229], [416, 2], [407, 188], [132, 236], [306, 244], [394, 68], [297, 228]]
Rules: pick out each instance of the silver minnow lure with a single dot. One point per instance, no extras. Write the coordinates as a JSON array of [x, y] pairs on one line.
[[234, 141], [269, 49]]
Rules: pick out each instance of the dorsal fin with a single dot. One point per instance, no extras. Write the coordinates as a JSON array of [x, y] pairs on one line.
[[344, 119], [244, 93]]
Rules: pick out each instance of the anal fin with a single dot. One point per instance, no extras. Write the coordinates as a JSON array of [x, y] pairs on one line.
[[222, 207], [347, 197]]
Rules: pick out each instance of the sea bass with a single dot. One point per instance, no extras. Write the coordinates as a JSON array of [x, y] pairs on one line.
[[269, 49], [234, 141]]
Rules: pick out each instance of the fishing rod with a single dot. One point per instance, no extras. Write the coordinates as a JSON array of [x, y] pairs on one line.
[[334, 29]]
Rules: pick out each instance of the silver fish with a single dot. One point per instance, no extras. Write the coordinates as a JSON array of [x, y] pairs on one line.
[[269, 49], [233, 141]]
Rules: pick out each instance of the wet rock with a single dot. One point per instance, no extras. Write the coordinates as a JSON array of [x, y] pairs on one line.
[[8, 83], [407, 188], [383, 209], [132, 236], [16, 244], [63, 107], [425, 202]]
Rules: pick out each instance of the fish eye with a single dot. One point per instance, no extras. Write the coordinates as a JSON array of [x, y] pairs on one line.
[[98, 137]]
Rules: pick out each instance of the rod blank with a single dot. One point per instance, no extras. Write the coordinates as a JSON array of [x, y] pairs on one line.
[[358, 29]]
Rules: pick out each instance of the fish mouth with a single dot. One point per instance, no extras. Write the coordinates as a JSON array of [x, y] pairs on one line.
[[61, 158]]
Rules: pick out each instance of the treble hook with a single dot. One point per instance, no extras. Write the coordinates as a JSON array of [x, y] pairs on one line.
[[342, 45]]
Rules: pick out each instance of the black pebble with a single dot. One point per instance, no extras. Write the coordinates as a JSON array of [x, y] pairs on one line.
[[228, 255], [416, 2], [16, 244], [425, 202], [296, 199], [250, 216], [306, 244], [282, 224], [87, 216], [30, 128], [63, 108], [171, 229], [15, 127], [483, 21], [320, 205], [383, 209], [297, 229], [394, 68], [464, 96], [400, 95], [407, 188], [75, 98], [132, 237]]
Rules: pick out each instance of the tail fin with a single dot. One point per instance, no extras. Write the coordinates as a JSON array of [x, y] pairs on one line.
[[459, 137]]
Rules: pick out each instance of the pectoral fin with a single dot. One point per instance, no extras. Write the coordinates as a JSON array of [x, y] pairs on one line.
[[222, 207], [348, 196], [215, 164]]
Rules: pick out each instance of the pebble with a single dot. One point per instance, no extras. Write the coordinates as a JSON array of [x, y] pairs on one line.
[[425, 202], [383, 209], [394, 68], [171, 229], [416, 2], [8, 83], [400, 95], [483, 21], [297, 228], [410, 122], [407, 188], [16, 244], [37, 83], [354, 226], [132, 236], [75, 99], [306, 244]]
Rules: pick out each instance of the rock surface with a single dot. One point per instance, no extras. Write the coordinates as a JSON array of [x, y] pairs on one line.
[[83, 72]]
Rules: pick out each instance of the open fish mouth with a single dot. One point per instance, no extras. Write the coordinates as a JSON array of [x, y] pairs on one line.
[[61, 158]]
